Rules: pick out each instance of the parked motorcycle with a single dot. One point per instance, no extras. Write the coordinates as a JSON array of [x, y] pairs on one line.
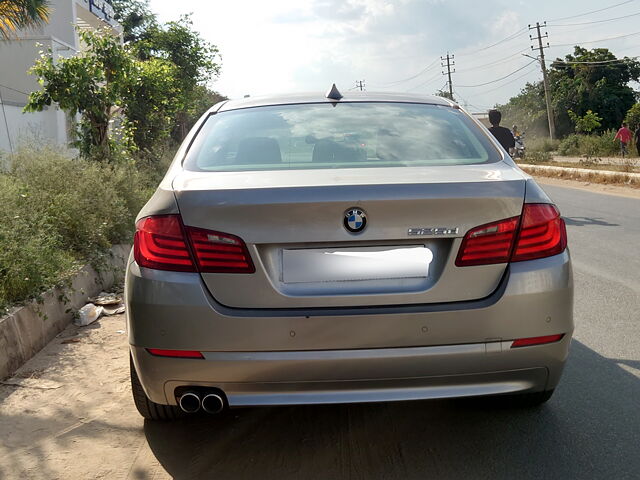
[[519, 149]]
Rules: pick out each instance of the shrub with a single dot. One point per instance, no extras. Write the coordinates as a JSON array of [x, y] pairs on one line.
[[633, 116], [542, 145], [601, 145], [31, 256], [60, 212], [537, 156], [570, 146]]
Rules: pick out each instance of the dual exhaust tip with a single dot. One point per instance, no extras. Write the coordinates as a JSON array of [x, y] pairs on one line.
[[191, 402]]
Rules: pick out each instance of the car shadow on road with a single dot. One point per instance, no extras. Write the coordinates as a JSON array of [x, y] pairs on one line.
[[584, 221], [590, 428]]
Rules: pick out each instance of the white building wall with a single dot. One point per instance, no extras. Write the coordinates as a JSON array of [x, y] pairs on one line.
[[17, 127]]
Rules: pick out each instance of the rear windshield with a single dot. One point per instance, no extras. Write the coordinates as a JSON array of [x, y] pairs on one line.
[[347, 135]]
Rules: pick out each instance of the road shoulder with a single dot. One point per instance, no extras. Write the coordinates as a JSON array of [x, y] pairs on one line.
[[616, 190]]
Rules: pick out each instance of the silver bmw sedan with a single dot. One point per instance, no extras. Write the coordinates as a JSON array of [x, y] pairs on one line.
[[312, 249]]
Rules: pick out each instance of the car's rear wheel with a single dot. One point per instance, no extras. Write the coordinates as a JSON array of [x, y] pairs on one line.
[[148, 409]]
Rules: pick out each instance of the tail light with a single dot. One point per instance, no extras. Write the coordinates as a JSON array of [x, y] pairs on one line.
[[539, 232], [491, 243], [217, 252], [161, 242], [542, 234]]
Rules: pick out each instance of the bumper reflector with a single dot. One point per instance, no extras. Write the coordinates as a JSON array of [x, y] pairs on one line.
[[527, 342], [158, 352]]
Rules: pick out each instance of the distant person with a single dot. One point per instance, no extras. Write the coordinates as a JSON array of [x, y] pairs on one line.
[[502, 134], [624, 135], [515, 132], [636, 138]]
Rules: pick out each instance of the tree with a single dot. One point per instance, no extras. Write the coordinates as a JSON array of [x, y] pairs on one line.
[[633, 116], [17, 14], [150, 102], [592, 80], [586, 80], [197, 63], [135, 17], [445, 94], [527, 110], [587, 123], [197, 60], [205, 98], [91, 84]]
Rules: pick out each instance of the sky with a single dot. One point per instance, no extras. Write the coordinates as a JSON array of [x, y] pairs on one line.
[[283, 46]]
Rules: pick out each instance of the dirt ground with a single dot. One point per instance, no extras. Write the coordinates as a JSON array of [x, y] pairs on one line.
[[72, 417], [603, 160]]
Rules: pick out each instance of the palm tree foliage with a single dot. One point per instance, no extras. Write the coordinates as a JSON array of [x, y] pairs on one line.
[[17, 14]]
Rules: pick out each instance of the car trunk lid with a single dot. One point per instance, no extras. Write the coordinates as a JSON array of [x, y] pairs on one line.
[[293, 225]]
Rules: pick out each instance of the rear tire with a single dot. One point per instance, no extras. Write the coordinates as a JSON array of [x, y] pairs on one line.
[[148, 409]]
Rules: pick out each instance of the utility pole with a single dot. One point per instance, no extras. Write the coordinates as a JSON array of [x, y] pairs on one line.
[[449, 63], [545, 82], [360, 84]]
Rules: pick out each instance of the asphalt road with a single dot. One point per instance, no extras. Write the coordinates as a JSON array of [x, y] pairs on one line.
[[589, 429]]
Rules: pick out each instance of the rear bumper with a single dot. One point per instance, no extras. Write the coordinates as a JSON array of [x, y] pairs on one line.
[[347, 376], [266, 357]]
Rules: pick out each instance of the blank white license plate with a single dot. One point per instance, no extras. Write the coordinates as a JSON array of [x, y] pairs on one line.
[[354, 264]]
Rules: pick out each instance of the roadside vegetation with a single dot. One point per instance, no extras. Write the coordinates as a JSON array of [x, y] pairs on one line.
[[590, 96], [134, 103], [595, 145], [60, 212]]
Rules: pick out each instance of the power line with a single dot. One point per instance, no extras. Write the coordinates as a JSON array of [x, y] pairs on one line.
[[510, 37], [497, 62], [425, 69], [505, 83], [426, 82], [499, 79], [564, 63], [466, 102], [360, 84], [593, 11], [596, 41], [594, 21]]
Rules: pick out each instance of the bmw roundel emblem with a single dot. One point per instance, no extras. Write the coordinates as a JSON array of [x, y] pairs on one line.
[[355, 220]]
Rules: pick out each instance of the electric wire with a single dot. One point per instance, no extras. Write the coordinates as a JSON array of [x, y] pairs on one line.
[[594, 41], [499, 79], [426, 82], [510, 37], [513, 80], [593, 21], [593, 11], [497, 62], [424, 70], [601, 62]]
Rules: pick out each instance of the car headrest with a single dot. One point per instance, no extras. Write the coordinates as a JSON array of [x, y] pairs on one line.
[[326, 151], [257, 150]]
